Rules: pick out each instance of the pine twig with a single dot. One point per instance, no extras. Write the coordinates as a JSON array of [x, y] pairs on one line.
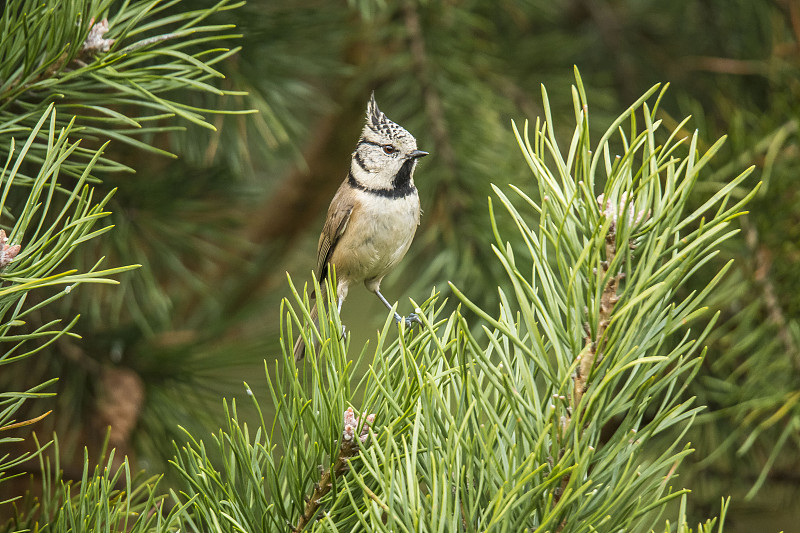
[[593, 351], [594, 345], [608, 300], [323, 487], [588, 356], [348, 449]]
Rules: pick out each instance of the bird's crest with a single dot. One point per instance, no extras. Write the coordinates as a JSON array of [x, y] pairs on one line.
[[378, 122]]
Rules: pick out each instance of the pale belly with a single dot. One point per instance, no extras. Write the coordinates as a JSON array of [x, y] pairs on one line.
[[377, 239]]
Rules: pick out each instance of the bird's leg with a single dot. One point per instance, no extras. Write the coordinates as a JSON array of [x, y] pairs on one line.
[[410, 320], [339, 311], [397, 317]]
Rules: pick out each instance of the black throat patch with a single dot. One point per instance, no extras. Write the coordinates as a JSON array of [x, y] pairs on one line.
[[401, 183]]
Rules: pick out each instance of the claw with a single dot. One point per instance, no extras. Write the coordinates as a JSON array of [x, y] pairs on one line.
[[409, 321], [413, 319]]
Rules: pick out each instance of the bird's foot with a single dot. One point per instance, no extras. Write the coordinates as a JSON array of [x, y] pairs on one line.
[[412, 319], [409, 320]]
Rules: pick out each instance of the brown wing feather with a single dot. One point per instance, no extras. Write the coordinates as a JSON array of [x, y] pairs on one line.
[[334, 228]]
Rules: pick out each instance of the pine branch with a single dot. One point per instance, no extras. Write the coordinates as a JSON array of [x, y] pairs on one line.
[[593, 345], [104, 497], [90, 69], [50, 222], [276, 224]]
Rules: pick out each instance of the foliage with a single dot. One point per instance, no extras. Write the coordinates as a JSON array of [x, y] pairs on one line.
[[93, 65], [125, 72], [541, 417], [109, 498], [74, 76], [457, 74], [51, 223], [217, 226]]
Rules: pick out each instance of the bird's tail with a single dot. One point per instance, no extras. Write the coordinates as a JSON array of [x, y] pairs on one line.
[[300, 345]]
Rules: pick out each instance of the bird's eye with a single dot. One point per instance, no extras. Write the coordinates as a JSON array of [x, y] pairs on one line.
[[388, 149]]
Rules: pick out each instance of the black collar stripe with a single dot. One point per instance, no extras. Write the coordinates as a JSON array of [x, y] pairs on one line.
[[400, 191]]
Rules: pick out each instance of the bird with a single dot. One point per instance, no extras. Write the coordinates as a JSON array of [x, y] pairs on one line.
[[373, 216]]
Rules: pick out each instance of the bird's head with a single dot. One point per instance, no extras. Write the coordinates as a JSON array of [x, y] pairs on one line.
[[386, 151]]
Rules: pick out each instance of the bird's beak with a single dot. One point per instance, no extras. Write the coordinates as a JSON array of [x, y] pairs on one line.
[[416, 154]]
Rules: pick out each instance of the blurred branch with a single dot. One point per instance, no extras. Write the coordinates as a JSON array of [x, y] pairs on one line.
[[611, 26], [763, 264], [794, 18], [294, 207], [299, 199], [520, 97], [726, 65], [449, 204], [433, 104], [78, 356]]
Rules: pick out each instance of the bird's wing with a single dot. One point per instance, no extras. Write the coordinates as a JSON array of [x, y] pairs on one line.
[[334, 228]]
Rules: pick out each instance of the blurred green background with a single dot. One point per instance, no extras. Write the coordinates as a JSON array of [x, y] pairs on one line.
[[218, 229]]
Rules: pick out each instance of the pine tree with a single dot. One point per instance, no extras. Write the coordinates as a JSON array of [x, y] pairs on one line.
[[216, 227]]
